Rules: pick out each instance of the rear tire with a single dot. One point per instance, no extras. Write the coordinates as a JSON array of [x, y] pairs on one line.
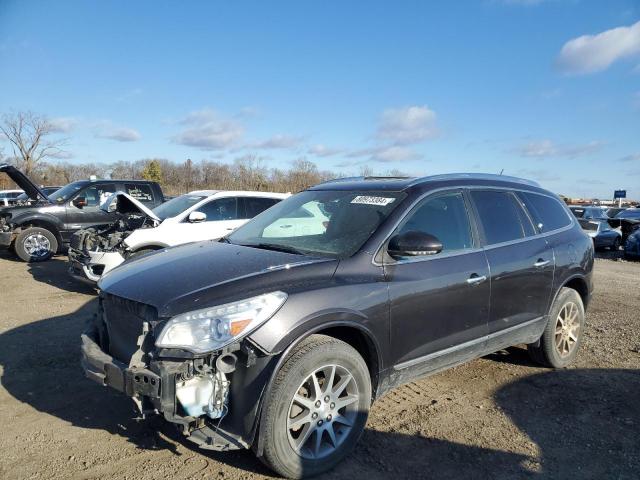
[[142, 251], [317, 408], [561, 339], [35, 244]]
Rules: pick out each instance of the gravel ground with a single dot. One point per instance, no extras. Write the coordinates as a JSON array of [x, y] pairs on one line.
[[497, 417]]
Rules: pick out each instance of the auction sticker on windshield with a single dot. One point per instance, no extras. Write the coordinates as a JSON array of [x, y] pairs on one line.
[[369, 200]]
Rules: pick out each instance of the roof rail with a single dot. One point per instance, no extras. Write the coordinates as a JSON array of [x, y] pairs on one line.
[[479, 176]]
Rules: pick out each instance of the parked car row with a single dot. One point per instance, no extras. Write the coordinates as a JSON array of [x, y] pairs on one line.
[[199, 215]]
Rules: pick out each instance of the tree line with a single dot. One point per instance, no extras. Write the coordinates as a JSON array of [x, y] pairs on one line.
[[35, 149]]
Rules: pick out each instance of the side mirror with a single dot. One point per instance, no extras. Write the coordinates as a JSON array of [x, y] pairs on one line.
[[80, 202], [413, 244], [197, 217]]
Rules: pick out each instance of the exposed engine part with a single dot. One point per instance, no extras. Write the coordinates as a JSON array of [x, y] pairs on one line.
[[204, 395], [108, 238], [226, 363]]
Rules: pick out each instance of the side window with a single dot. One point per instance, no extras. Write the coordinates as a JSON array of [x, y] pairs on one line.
[[255, 205], [97, 193], [548, 213], [500, 216], [141, 192], [220, 209], [444, 216]]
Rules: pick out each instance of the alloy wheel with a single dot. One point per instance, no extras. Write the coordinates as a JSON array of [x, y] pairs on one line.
[[37, 245], [567, 329], [322, 412]]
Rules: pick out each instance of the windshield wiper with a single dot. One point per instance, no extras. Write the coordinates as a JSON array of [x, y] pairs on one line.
[[275, 247]]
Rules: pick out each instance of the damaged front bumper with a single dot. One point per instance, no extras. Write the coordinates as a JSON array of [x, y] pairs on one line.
[[220, 415], [90, 266]]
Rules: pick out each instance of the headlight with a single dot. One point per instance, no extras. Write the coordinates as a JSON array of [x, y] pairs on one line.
[[212, 328]]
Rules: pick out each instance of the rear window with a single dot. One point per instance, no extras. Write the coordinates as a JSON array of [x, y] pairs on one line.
[[501, 217], [141, 192], [547, 212], [587, 225]]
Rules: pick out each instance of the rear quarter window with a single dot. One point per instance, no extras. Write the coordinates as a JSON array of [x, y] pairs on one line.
[[548, 213], [141, 192]]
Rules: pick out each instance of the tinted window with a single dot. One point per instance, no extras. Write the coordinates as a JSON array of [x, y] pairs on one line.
[[255, 205], [500, 216], [547, 212], [445, 217], [141, 192], [98, 193], [220, 209]]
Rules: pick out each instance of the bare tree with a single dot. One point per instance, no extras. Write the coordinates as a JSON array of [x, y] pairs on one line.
[[27, 133]]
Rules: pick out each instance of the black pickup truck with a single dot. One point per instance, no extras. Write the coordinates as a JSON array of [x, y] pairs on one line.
[[39, 230]]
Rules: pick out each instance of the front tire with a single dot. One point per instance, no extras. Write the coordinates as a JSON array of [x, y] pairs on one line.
[[561, 339], [35, 244], [317, 408]]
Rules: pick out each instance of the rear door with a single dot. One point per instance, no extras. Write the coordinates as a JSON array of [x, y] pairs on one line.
[[439, 304], [520, 260]]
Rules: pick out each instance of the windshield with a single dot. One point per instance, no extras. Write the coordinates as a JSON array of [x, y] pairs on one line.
[[66, 192], [630, 213], [176, 206], [324, 223]]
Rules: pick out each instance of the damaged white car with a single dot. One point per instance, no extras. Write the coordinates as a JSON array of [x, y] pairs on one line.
[[196, 216]]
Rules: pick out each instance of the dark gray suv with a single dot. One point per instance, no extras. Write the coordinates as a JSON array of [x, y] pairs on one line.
[[280, 336]]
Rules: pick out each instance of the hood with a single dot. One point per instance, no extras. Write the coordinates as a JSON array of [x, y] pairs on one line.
[[31, 189], [123, 203], [197, 275]]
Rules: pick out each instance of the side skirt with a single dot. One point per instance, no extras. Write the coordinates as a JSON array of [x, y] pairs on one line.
[[527, 332]]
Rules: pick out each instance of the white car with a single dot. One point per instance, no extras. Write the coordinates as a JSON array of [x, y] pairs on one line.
[[196, 216], [8, 197]]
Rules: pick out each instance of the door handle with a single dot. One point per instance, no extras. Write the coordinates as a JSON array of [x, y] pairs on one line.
[[229, 229], [541, 263], [475, 279], [286, 226]]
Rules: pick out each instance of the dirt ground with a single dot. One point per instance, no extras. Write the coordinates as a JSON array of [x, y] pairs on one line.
[[499, 417]]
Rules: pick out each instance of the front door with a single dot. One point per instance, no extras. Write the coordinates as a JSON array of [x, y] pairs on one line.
[[439, 304], [90, 214], [222, 219]]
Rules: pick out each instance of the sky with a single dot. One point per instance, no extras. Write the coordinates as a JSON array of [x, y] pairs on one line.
[[543, 89]]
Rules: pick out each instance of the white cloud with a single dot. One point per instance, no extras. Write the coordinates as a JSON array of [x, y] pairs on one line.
[[62, 124], [407, 125], [548, 148], [320, 150], [120, 134], [386, 154], [278, 142], [207, 131], [593, 53]]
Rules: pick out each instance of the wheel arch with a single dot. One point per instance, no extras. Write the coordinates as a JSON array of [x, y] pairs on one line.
[[579, 284], [42, 222]]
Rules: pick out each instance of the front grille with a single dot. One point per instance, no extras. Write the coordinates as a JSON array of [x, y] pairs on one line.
[[123, 320]]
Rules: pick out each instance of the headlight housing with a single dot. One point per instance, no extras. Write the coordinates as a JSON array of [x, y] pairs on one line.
[[209, 329]]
